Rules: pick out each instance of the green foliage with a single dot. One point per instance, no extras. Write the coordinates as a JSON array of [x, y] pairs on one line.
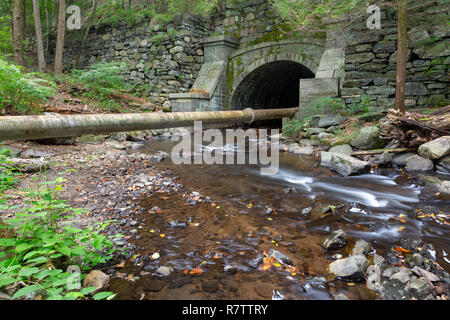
[[45, 244], [363, 107], [309, 14], [22, 92], [6, 48], [100, 80], [294, 127]]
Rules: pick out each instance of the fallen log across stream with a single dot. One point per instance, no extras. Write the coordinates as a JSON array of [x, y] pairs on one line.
[[58, 126]]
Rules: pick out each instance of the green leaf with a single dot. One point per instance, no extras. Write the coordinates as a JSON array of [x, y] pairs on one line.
[[24, 291], [26, 272], [87, 290], [103, 295], [64, 250], [7, 281], [7, 242], [23, 247]]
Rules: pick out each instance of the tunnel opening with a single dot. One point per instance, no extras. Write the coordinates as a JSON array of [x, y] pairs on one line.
[[273, 85]]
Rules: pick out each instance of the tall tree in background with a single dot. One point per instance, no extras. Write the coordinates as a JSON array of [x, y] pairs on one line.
[[38, 30], [59, 52], [18, 27], [402, 49]]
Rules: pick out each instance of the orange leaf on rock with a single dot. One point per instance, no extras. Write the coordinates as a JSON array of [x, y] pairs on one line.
[[197, 271]]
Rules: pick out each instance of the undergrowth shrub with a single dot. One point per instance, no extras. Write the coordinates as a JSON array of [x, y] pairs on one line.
[[22, 92], [44, 244]]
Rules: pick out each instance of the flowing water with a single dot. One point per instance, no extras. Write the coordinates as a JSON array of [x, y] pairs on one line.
[[251, 213]]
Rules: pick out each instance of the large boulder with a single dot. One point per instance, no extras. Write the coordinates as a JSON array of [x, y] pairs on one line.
[[351, 268], [344, 165], [368, 139], [435, 149], [344, 149], [417, 163]]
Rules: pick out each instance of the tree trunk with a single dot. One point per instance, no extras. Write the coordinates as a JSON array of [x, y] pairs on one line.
[[38, 29], [59, 53], [401, 57], [86, 33], [18, 31]]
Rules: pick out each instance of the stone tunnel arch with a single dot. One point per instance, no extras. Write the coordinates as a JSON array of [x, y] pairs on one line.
[[271, 82]]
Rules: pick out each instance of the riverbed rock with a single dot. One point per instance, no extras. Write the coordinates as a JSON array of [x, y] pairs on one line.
[[362, 247], [368, 139], [435, 149], [282, 258], [404, 276], [374, 278], [444, 165], [352, 268], [164, 271], [344, 165], [417, 163], [344, 149], [337, 240], [98, 279], [420, 289], [381, 159], [400, 160]]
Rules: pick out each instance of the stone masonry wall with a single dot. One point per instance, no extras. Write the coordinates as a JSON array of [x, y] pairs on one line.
[[166, 61], [370, 68], [163, 59]]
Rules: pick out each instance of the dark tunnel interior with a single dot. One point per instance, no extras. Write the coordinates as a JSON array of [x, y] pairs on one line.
[[271, 86]]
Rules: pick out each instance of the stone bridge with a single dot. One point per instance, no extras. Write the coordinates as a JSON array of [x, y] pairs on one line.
[[275, 74]]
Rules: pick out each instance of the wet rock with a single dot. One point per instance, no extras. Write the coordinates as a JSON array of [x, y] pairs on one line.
[[400, 160], [98, 279], [296, 149], [417, 163], [361, 247], [164, 271], [434, 185], [321, 211], [415, 260], [344, 165], [444, 165], [419, 289], [352, 268], [318, 283], [254, 263], [369, 138], [389, 272], [344, 149], [341, 296], [435, 149], [374, 278], [431, 277], [381, 159], [404, 276], [283, 259], [306, 211], [338, 239], [210, 286]]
